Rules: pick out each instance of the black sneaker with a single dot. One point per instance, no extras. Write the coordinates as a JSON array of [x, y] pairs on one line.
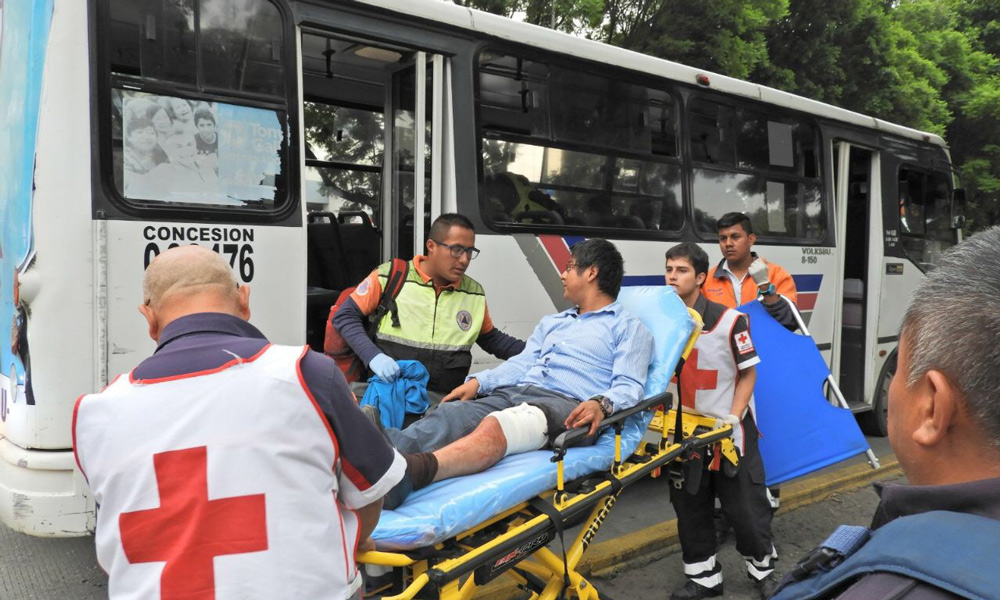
[[397, 495], [693, 591], [765, 587], [372, 412]]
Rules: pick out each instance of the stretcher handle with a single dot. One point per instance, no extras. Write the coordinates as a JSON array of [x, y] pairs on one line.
[[572, 437]]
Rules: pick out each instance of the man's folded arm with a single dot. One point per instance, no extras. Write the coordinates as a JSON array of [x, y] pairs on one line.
[[496, 342], [632, 354], [500, 344], [514, 370]]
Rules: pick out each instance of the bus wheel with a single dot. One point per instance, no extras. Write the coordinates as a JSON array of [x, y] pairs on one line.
[[876, 421]]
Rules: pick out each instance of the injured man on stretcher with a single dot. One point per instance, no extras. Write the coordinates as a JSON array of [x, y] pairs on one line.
[[579, 367]]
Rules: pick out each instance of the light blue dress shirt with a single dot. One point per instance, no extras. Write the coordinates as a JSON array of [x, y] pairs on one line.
[[606, 352]]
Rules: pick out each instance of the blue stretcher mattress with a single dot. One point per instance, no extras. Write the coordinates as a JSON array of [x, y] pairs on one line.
[[447, 508]]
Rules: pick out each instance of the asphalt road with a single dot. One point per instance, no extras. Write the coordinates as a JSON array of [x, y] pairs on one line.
[[795, 532]]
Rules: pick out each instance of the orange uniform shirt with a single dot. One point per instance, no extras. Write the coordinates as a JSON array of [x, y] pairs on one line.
[[718, 286]]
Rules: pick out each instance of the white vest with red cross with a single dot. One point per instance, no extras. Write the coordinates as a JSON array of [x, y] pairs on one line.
[[217, 485], [708, 379]]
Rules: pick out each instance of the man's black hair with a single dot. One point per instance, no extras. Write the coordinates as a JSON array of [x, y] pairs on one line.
[[694, 254], [602, 254], [735, 218], [443, 224]]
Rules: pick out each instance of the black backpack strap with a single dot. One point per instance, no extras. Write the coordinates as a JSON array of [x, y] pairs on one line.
[[398, 272], [397, 277]]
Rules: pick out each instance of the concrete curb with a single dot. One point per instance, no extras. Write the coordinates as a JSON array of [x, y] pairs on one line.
[[652, 543]]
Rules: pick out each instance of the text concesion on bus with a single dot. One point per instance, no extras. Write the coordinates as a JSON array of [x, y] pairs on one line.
[[307, 142]]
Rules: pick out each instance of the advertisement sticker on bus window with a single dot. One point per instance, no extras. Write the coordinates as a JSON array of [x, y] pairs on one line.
[[194, 152], [775, 207], [780, 145]]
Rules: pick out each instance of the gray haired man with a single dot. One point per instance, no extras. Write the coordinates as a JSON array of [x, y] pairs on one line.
[[944, 425]]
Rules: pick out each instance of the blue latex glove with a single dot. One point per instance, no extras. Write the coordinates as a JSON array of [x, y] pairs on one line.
[[386, 368]]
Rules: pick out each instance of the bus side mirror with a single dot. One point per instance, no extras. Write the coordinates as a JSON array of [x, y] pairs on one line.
[[958, 209]]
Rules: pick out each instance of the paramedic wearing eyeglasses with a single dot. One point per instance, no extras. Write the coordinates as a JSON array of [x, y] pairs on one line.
[[442, 313], [580, 366]]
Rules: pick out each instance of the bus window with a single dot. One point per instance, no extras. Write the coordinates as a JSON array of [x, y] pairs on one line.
[[170, 141], [746, 139], [237, 45], [514, 95], [776, 208], [607, 157], [241, 46], [761, 165], [924, 215], [154, 39], [177, 150], [598, 111], [344, 148]]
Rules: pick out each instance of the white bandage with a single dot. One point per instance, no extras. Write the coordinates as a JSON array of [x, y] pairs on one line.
[[523, 426]]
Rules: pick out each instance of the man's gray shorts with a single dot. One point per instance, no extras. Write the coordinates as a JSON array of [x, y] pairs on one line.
[[453, 420]]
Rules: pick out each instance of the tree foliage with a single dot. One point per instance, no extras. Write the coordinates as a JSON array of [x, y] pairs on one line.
[[928, 64]]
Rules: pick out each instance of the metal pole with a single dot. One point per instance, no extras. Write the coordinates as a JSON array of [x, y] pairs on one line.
[[872, 459], [419, 156]]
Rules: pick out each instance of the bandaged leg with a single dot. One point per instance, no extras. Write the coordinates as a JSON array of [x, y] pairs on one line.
[[489, 443], [524, 427]]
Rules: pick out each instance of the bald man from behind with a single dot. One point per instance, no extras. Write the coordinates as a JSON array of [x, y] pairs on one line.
[[225, 466]]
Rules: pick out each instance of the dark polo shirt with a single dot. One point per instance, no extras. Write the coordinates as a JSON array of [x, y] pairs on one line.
[[898, 500], [205, 341]]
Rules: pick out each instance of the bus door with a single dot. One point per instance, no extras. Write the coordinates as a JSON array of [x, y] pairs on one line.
[[859, 227], [416, 95], [362, 99]]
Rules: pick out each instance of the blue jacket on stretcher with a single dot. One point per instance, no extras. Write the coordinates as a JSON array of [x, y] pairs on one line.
[[406, 395]]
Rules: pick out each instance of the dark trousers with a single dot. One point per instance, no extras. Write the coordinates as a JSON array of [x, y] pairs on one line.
[[744, 503]]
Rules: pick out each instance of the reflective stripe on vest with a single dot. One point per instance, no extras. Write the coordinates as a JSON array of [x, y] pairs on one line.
[[224, 480]]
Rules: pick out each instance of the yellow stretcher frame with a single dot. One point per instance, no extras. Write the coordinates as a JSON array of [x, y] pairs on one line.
[[514, 543]]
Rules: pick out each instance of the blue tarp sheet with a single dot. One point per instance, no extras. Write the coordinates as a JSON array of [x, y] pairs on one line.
[[801, 431], [449, 507]]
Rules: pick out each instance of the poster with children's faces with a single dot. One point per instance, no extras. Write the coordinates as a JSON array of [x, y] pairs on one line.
[[195, 152]]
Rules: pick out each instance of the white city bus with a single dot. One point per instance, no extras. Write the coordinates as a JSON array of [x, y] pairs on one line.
[[308, 140]]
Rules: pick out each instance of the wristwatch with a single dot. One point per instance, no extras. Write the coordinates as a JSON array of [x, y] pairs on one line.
[[769, 291], [606, 406]]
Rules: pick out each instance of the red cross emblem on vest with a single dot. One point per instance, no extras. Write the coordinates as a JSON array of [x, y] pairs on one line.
[[743, 338], [188, 530], [693, 379]]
